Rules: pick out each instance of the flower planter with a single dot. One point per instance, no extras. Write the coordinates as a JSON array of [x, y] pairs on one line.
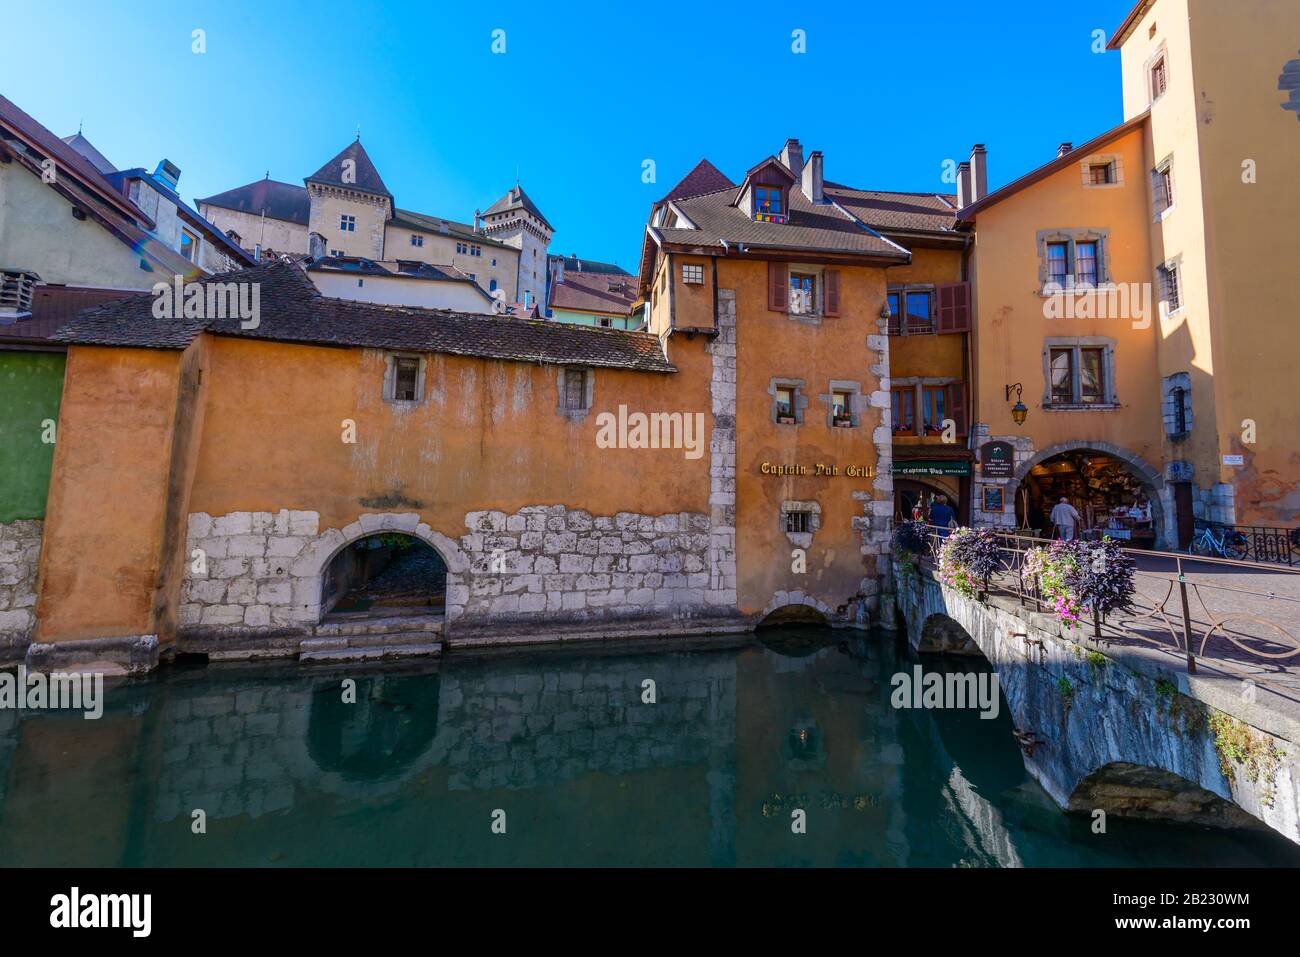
[[785, 420]]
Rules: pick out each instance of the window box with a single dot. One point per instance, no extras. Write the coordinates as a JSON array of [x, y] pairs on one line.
[[785, 420], [843, 422]]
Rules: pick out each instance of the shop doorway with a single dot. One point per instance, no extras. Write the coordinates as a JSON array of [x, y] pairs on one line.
[[908, 492], [1110, 496]]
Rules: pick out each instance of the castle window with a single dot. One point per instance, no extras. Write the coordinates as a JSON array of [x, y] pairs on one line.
[[347, 224], [417, 240], [492, 286], [693, 274], [461, 247]]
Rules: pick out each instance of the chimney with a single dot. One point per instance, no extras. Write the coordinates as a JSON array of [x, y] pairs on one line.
[[792, 157], [168, 172], [979, 172], [316, 247], [559, 270], [478, 220], [1063, 149], [963, 185], [812, 177], [17, 287]]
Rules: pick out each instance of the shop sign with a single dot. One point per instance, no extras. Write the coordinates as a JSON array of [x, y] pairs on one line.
[[997, 460]]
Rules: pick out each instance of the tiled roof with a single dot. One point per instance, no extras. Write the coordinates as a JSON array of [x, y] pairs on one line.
[[293, 310], [283, 201], [886, 211], [52, 307], [577, 264], [704, 178], [364, 177], [516, 198], [590, 292], [435, 224], [87, 149], [818, 228]]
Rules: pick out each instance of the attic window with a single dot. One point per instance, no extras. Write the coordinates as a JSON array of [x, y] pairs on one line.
[[1101, 174], [692, 273], [769, 205]]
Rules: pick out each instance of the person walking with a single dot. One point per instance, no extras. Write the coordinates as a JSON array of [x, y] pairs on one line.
[[941, 514], [1065, 518]]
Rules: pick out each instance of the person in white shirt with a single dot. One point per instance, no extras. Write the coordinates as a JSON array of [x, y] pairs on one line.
[[1065, 518]]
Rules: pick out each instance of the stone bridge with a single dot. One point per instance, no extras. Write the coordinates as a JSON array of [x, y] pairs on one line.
[[1116, 727]]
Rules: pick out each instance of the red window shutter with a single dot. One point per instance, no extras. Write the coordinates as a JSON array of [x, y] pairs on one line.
[[831, 292], [957, 405], [954, 307], [778, 287]]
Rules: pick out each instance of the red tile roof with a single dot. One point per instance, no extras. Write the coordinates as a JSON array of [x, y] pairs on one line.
[[704, 178]]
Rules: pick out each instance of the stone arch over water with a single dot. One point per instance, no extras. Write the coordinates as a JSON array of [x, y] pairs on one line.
[[1146, 791]]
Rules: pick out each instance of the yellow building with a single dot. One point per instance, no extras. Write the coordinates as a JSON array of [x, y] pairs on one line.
[[1130, 293]]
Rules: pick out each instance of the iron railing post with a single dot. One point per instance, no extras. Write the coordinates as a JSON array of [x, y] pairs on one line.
[[1187, 619]]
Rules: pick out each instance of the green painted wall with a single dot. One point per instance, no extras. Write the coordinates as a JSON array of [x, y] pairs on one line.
[[590, 319], [31, 385]]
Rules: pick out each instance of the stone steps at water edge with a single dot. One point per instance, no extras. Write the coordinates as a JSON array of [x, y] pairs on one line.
[[325, 655], [430, 624]]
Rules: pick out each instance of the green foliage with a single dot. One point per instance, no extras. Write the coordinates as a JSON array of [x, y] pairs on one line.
[[1067, 690], [1238, 746], [1096, 659]]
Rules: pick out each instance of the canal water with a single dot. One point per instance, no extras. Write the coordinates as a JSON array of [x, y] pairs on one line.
[[560, 749]]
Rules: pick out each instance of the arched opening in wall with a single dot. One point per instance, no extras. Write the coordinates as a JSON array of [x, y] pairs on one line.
[[1111, 496], [1143, 791], [943, 635], [384, 574], [909, 493], [788, 615]]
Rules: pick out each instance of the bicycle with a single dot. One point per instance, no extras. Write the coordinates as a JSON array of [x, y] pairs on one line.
[[1227, 543]]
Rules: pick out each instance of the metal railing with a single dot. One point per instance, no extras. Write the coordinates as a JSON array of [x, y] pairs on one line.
[[1239, 618], [1262, 543]]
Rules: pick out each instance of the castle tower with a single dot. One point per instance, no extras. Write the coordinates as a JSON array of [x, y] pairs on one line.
[[514, 219], [350, 205]]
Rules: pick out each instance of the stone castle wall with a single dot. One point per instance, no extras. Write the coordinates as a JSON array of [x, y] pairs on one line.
[[20, 552]]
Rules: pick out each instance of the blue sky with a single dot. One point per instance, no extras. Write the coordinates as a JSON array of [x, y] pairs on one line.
[[582, 96]]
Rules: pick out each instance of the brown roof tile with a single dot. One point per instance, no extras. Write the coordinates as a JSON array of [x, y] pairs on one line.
[[293, 310]]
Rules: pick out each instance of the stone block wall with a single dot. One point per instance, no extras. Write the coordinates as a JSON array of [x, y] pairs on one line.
[[20, 551], [246, 575], [549, 562]]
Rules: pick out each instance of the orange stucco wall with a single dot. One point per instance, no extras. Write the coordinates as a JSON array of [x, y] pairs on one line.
[[101, 559], [1012, 325], [770, 344], [487, 436]]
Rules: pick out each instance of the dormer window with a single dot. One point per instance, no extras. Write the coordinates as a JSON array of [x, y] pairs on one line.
[[769, 206]]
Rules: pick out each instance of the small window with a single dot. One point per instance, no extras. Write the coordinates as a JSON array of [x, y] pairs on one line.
[[1101, 174], [895, 312], [1092, 384], [492, 285], [347, 224], [1085, 264], [575, 389], [189, 245], [785, 405], [606, 322], [767, 200], [476, 251], [406, 373], [903, 405], [798, 522], [1062, 364], [692, 273], [919, 312], [1171, 293], [1179, 397], [932, 407], [336, 252], [1159, 79], [1058, 265], [233, 236], [803, 294], [460, 248], [417, 240], [841, 409], [1162, 186]]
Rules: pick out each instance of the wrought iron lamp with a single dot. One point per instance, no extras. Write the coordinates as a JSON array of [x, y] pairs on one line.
[[1019, 410]]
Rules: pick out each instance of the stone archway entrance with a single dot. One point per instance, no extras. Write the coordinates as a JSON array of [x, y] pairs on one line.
[[1103, 482], [384, 574]]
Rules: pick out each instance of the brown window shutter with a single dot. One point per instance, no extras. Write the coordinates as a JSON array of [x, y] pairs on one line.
[[778, 287], [831, 292], [957, 405], [954, 307]]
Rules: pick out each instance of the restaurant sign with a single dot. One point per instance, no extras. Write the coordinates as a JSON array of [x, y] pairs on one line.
[[997, 460], [938, 467]]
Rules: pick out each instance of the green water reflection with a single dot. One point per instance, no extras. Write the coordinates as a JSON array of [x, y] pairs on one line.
[[586, 773]]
